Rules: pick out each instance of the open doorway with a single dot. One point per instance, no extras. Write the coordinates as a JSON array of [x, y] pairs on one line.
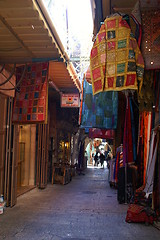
[[26, 158], [98, 152]]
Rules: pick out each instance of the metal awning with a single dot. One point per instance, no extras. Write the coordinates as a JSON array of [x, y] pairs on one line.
[[27, 35], [63, 78]]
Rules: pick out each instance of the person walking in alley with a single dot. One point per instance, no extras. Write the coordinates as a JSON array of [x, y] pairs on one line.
[[102, 159]]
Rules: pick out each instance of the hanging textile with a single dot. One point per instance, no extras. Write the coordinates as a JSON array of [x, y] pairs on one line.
[[116, 62], [31, 101], [147, 133], [127, 138], [156, 184], [99, 111], [140, 151], [143, 146], [101, 133], [133, 131], [117, 158], [151, 163], [146, 96], [150, 15]]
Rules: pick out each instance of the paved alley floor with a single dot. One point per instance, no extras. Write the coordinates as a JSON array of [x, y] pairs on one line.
[[85, 209]]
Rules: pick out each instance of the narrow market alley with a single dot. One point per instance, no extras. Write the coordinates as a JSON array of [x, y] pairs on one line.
[[86, 208]]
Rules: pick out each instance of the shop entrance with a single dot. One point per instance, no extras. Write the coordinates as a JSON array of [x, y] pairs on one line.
[[26, 158]]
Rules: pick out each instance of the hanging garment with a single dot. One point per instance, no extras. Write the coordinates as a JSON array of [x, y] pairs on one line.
[[133, 131], [140, 151], [127, 138], [99, 111], [146, 96], [156, 184], [116, 167], [116, 62], [151, 163], [147, 134]]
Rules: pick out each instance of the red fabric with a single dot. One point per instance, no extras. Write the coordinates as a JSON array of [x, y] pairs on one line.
[[140, 214], [101, 133], [127, 139]]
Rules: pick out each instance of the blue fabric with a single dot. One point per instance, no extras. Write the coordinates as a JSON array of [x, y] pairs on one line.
[[100, 110]]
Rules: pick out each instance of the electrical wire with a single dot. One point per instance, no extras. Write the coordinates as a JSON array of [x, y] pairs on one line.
[[7, 80], [2, 68], [16, 86]]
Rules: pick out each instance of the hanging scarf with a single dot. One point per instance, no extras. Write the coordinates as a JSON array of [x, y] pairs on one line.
[[133, 131], [127, 139]]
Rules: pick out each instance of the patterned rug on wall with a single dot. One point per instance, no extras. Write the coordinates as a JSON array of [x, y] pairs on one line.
[[31, 101]]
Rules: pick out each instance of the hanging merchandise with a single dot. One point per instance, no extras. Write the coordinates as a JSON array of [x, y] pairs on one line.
[[31, 101], [143, 146], [99, 111], [129, 138], [146, 96], [118, 162], [134, 142], [148, 194], [156, 184], [116, 62]]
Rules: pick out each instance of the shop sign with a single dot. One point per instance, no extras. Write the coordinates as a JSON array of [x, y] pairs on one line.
[[70, 100]]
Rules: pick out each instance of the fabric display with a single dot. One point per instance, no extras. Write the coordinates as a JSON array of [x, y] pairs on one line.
[[148, 195], [118, 159], [150, 14], [99, 111], [143, 146], [151, 163], [146, 96], [31, 101], [129, 140], [156, 182], [101, 133], [140, 214], [116, 62]]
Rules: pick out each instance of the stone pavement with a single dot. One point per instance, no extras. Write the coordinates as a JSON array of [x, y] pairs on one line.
[[84, 209]]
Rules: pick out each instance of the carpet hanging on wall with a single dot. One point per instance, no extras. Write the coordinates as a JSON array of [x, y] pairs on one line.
[[31, 101]]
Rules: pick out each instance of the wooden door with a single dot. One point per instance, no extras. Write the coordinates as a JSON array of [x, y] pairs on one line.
[[42, 155], [3, 101]]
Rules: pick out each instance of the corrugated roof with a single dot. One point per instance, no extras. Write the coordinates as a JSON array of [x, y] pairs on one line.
[[28, 35], [64, 77]]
